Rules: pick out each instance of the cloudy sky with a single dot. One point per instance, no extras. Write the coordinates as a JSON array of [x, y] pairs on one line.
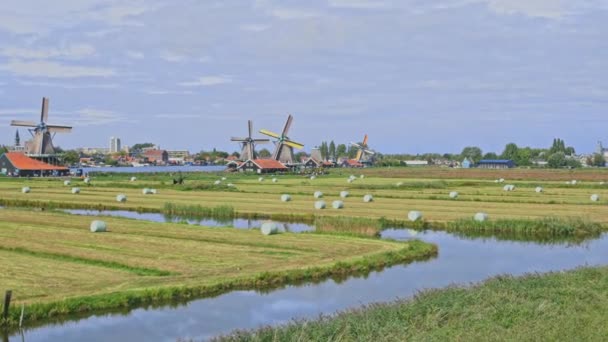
[[416, 75]]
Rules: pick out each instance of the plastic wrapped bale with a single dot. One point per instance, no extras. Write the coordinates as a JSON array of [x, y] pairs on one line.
[[496, 181], [217, 182], [122, 198], [573, 182], [350, 180], [153, 191], [230, 185], [75, 190], [98, 227], [501, 180], [133, 179], [344, 194], [337, 204], [285, 198], [362, 176], [602, 183], [480, 217], [595, 197], [313, 177], [414, 216], [223, 178], [538, 189], [509, 187], [320, 205], [368, 198], [318, 194], [26, 189], [399, 184], [454, 195], [67, 183], [87, 180], [261, 179], [269, 228], [146, 191], [274, 180]]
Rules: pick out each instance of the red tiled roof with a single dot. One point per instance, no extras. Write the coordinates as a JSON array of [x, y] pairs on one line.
[[154, 153], [269, 164], [353, 162], [23, 162]]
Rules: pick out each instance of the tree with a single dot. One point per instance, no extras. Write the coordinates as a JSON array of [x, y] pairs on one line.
[[140, 146], [332, 150], [341, 150], [511, 152], [556, 160], [264, 153], [598, 160], [300, 155], [490, 156], [71, 157], [3, 149], [472, 153]]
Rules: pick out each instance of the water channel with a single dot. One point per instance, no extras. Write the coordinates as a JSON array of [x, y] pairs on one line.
[[461, 260]]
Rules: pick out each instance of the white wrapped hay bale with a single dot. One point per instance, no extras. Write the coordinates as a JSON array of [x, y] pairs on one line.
[[133, 179], [350, 180], [217, 182], [454, 195], [223, 178], [230, 185], [399, 184], [121, 198], [146, 191], [368, 198], [274, 180], [67, 182], [313, 177], [362, 176], [87, 180], [602, 183], [98, 226], [337, 204], [318, 194], [153, 191], [269, 228], [509, 187], [75, 190], [285, 198], [501, 180], [414, 215], [539, 189], [480, 217], [26, 190], [320, 205], [261, 179], [344, 194], [595, 197], [573, 182]]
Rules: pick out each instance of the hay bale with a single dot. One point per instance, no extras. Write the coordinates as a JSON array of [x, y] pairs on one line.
[[285, 198], [75, 190], [350, 180], [217, 182], [399, 184], [67, 182], [362, 176], [538, 189], [509, 187], [368, 198], [602, 183], [122, 198], [153, 191], [274, 180], [223, 178], [98, 226], [320, 205], [269, 228], [146, 191], [414, 216], [480, 217], [261, 179], [318, 194], [337, 204], [595, 197], [133, 179], [230, 185], [344, 194], [454, 195], [26, 190], [501, 180], [313, 177], [573, 182], [87, 180]]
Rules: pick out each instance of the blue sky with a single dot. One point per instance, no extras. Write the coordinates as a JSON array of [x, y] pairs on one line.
[[416, 75]]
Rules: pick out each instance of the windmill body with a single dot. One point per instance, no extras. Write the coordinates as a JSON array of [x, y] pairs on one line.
[[365, 155], [248, 144], [42, 133], [283, 151]]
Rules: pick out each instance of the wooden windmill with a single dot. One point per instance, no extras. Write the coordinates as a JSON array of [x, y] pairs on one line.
[[364, 153], [283, 151], [42, 133], [248, 144]]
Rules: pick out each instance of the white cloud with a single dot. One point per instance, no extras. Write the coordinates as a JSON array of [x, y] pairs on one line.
[[135, 54], [173, 57], [293, 13], [92, 117], [72, 52], [167, 92], [53, 70], [255, 27], [178, 116], [207, 81], [69, 85], [533, 8], [359, 4]]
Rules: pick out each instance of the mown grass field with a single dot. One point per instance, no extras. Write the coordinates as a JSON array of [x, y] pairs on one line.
[[51, 257], [567, 306]]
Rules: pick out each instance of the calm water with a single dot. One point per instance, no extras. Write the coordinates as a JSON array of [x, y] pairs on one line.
[[460, 261], [153, 169]]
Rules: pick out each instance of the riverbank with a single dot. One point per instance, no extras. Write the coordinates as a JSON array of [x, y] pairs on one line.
[[566, 306]]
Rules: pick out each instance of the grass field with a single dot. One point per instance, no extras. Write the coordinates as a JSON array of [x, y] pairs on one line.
[[569, 306], [52, 258]]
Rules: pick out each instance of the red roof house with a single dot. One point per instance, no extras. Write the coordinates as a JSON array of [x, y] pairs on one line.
[[18, 164], [262, 166]]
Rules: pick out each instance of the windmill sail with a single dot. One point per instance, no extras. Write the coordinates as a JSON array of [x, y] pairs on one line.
[[248, 143], [284, 146]]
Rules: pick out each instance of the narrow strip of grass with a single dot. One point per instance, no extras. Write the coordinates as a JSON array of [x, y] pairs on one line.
[[344, 225], [142, 271], [568, 306], [553, 226], [196, 211]]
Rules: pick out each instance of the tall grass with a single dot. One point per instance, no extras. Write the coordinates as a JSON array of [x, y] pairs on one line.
[[553, 226], [222, 212], [343, 225]]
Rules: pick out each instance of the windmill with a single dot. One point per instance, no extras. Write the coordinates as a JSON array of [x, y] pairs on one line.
[[42, 133], [283, 151], [248, 144], [364, 153]]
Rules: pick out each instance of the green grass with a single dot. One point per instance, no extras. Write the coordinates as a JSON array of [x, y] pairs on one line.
[[568, 306], [198, 211], [548, 226]]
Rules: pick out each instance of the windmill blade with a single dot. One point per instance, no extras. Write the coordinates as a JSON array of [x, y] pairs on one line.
[[59, 129], [370, 152], [359, 154], [269, 133], [287, 125], [23, 123], [44, 113], [293, 144], [365, 140], [356, 145], [238, 139], [261, 141], [250, 128]]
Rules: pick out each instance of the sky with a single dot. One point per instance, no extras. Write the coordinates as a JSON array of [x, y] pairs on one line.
[[415, 75]]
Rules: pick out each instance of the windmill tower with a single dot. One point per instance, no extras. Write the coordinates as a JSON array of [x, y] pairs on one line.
[[364, 153], [42, 133], [283, 151], [248, 144]]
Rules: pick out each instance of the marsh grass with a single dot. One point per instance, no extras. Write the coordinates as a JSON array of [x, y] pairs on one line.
[[343, 225], [222, 212], [552, 226]]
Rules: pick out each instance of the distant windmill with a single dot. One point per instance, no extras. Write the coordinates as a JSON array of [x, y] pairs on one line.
[[248, 144], [364, 153], [42, 133], [283, 151]]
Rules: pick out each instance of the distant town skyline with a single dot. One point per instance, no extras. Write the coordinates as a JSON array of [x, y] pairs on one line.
[[416, 76]]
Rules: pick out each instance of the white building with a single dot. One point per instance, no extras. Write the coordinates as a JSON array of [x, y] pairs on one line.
[[114, 145]]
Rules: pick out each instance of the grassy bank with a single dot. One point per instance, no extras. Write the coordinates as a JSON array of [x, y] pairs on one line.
[[568, 306], [48, 260]]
